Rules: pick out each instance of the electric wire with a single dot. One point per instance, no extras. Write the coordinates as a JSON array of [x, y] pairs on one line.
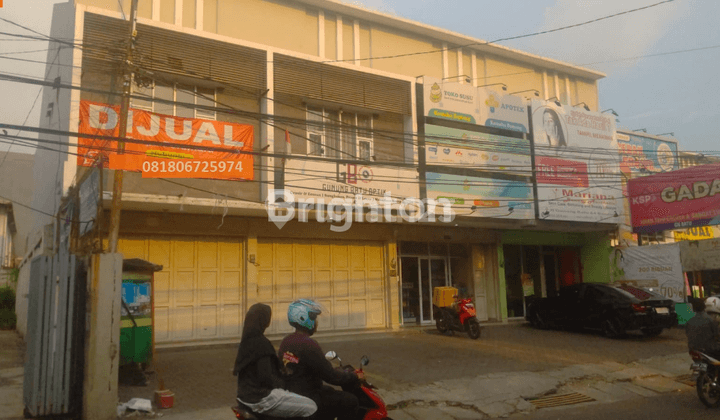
[[512, 37], [698, 177]]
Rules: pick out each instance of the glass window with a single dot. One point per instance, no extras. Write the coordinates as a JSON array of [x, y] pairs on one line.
[[364, 124], [146, 91], [349, 134], [166, 93], [171, 95], [342, 135], [593, 293], [185, 94], [332, 136], [205, 97], [364, 150], [315, 131], [570, 292]]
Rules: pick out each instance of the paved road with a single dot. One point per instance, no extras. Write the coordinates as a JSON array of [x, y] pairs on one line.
[[681, 405], [201, 378]]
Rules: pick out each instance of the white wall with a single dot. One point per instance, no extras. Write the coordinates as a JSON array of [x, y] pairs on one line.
[[53, 170]]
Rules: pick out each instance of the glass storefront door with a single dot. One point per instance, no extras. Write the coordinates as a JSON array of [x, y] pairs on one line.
[[419, 276], [426, 265], [432, 274], [410, 289]]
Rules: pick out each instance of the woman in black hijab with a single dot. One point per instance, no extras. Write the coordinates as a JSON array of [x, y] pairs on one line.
[[260, 386]]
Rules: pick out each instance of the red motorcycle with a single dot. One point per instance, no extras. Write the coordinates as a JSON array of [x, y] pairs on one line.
[[460, 316], [371, 404]]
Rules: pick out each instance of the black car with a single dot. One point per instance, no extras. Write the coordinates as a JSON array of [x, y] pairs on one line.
[[612, 309]]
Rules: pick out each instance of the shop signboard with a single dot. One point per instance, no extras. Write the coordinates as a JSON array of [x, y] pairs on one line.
[[450, 100], [449, 146], [697, 233], [482, 197], [576, 160], [474, 146], [211, 147], [641, 155], [679, 199], [325, 181], [700, 255], [657, 268], [646, 154]]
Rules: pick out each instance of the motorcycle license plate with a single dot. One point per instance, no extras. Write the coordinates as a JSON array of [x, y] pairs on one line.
[[663, 311], [699, 367]]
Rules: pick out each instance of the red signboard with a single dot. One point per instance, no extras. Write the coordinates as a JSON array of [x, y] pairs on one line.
[[213, 152], [570, 173], [678, 199]]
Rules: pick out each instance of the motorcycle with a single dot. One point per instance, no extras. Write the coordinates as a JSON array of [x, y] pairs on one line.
[[372, 405], [705, 371], [458, 317]]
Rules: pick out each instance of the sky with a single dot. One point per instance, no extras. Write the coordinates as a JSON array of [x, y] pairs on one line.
[[662, 93]]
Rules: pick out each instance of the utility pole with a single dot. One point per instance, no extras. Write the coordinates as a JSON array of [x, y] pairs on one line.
[[124, 107]]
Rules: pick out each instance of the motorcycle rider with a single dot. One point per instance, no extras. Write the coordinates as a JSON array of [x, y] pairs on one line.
[[260, 386], [306, 367], [702, 329]]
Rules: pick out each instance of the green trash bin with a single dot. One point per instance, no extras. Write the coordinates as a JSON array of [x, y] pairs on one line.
[[136, 318]]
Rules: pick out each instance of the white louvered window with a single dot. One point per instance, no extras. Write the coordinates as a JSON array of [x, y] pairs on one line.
[[339, 134], [177, 95]]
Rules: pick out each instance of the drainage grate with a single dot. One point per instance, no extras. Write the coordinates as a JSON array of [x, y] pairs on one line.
[[560, 400]]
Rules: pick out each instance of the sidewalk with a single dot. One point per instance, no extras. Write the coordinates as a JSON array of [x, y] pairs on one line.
[[12, 353]]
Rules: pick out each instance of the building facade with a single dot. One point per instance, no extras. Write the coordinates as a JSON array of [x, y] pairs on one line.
[[323, 100]]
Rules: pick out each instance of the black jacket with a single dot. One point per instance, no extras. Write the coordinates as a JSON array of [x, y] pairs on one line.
[[257, 368], [702, 333], [305, 366]]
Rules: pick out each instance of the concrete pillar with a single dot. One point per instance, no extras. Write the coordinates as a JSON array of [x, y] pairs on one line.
[[102, 337], [393, 286], [267, 131], [251, 281], [502, 286]]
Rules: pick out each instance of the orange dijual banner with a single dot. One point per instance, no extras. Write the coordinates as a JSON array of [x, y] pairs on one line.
[[160, 161]]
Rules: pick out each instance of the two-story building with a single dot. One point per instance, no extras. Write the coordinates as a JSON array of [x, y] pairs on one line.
[[324, 100]]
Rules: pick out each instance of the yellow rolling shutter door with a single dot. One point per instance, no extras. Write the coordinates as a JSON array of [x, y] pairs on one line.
[[198, 294], [346, 278]]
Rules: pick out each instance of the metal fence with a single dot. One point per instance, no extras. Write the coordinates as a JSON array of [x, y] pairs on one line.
[[55, 332]]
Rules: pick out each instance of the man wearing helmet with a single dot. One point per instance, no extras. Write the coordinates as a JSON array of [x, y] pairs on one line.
[[702, 329], [306, 367]]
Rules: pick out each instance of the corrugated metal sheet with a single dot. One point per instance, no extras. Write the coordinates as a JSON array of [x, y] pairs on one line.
[[323, 82], [240, 70], [346, 278], [198, 293]]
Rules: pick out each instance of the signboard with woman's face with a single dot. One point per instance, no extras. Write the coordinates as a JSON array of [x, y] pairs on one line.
[[576, 162]]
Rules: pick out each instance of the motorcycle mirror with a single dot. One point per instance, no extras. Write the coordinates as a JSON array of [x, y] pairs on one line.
[[364, 361], [331, 355]]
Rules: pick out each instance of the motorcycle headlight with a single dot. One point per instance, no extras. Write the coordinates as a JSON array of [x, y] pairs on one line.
[[470, 305]]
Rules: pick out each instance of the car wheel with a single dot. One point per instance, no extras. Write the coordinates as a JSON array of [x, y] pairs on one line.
[[652, 332], [473, 329], [612, 328]]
